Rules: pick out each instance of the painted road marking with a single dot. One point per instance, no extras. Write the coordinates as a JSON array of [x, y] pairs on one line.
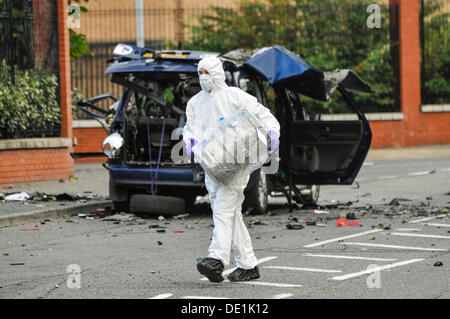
[[395, 246], [376, 269], [271, 284], [282, 296], [421, 235], [260, 261], [304, 269], [426, 218], [342, 238], [388, 177], [437, 225], [419, 173], [204, 297], [161, 296], [350, 257]]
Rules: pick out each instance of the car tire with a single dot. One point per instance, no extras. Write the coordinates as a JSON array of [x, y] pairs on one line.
[[312, 198], [257, 198]]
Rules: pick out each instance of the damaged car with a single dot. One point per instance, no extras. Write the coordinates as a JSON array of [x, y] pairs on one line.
[[149, 171]]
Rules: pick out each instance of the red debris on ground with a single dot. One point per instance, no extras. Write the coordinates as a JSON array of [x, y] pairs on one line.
[[343, 222]]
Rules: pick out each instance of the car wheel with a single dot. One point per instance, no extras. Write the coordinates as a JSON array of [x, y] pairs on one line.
[[257, 198], [310, 196]]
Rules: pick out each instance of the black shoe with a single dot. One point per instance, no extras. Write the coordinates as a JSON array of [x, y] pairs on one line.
[[210, 268], [244, 274]]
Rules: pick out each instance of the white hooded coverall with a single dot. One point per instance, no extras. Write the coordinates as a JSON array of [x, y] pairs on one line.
[[204, 111]]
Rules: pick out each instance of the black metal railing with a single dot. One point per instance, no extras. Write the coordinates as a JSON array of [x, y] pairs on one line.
[[435, 48], [16, 34]]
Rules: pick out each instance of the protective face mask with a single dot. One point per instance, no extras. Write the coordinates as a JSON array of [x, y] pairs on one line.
[[206, 82]]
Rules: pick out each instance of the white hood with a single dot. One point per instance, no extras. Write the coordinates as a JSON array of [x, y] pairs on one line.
[[213, 65]]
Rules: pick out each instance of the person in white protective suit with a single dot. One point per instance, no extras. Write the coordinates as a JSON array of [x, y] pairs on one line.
[[217, 101]]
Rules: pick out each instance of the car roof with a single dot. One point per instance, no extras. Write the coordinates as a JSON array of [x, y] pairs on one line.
[[134, 59]]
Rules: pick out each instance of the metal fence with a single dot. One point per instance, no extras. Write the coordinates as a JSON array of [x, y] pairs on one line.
[[29, 66], [435, 47], [16, 35]]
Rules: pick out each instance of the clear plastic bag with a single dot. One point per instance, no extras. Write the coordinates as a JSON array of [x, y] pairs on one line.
[[237, 146]]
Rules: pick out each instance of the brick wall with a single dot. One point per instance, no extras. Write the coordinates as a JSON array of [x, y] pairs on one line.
[[34, 165], [89, 140]]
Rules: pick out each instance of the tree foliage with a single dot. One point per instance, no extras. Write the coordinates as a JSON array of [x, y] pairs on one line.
[[328, 33]]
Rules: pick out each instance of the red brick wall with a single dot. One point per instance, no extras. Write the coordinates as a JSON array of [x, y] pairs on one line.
[[34, 165], [89, 140], [417, 128]]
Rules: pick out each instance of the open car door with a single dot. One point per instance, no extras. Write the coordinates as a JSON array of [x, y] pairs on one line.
[[314, 151]]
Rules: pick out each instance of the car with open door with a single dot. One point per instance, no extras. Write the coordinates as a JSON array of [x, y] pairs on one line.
[[148, 166]]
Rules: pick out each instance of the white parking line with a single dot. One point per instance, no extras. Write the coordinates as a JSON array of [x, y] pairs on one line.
[[388, 177], [419, 173], [426, 218], [420, 235], [351, 257], [282, 296], [271, 284], [376, 269], [304, 269], [204, 297], [260, 261], [161, 296], [437, 225], [342, 238], [394, 246]]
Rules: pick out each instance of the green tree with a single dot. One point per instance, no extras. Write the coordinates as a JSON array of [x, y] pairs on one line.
[[328, 33], [78, 41]]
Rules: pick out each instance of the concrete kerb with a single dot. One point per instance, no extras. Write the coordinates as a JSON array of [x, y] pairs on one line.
[[35, 216]]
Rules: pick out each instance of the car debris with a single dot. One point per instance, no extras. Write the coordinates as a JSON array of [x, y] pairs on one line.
[[438, 264], [344, 222], [181, 216], [295, 226], [119, 218], [17, 197]]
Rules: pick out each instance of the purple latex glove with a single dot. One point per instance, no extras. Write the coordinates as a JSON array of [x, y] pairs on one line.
[[191, 144], [275, 142]]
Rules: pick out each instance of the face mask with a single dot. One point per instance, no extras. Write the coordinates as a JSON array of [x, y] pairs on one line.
[[206, 82]]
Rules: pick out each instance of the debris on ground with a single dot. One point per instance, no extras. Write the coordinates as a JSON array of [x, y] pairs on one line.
[[350, 216], [161, 218], [32, 229], [438, 264], [119, 218], [318, 211], [257, 222], [294, 226], [17, 264], [372, 237], [159, 243], [160, 230], [344, 222], [17, 197], [180, 216]]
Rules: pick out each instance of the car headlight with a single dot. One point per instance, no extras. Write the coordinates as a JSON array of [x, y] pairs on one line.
[[112, 145]]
